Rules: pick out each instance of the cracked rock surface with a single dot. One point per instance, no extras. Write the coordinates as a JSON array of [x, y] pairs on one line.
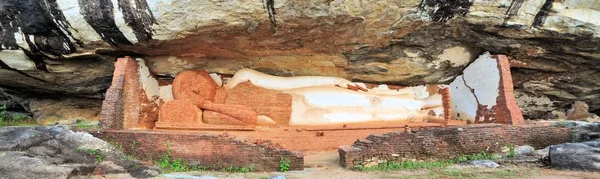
[[57, 152]]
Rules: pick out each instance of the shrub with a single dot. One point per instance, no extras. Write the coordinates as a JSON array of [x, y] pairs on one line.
[[511, 151], [284, 164]]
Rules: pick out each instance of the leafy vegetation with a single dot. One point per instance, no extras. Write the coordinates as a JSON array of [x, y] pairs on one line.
[[94, 152], [511, 151], [17, 119], [284, 164], [407, 164]]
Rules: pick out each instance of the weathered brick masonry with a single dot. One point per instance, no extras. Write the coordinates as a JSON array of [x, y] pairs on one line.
[[448, 142], [214, 151]]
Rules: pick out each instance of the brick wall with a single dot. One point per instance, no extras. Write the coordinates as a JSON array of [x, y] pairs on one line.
[[448, 142], [214, 151], [125, 105], [111, 116], [507, 111]]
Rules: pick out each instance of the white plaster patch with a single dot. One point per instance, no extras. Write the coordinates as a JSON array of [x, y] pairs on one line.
[[463, 101], [483, 76], [17, 59], [148, 82], [217, 79], [166, 93]]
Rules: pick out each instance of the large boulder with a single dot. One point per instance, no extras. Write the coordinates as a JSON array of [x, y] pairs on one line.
[[576, 156], [66, 47]]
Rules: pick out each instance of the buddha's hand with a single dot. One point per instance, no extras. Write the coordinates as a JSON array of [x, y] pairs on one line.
[[349, 85]]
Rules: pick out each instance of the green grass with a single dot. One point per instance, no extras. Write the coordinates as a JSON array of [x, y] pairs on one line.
[[86, 125], [7, 119], [409, 165], [94, 152], [478, 173]]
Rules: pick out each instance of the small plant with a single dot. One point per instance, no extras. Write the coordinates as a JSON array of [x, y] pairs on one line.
[[461, 158], [199, 168], [481, 156], [94, 152], [3, 113], [134, 145], [284, 164], [116, 145], [511, 151]]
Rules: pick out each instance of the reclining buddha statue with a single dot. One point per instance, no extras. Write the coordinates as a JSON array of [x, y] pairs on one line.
[[318, 100]]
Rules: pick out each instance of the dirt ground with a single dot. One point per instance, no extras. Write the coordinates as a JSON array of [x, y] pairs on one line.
[[325, 165], [447, 173]]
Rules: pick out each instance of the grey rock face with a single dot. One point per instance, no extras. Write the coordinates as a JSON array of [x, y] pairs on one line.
[[278, 177], [542, 153], [57, 152], [581, 131], [576, 156], [110, 167]]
